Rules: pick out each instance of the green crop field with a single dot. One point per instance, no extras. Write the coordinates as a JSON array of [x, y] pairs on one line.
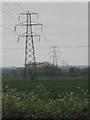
[[54, 85], [46, 98]]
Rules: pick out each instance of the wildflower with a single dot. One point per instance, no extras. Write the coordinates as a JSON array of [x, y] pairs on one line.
[[78, 87], [59, 96], [71, 93], [7, 87]]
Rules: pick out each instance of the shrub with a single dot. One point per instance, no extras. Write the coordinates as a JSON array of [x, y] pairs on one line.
[[38, 105]]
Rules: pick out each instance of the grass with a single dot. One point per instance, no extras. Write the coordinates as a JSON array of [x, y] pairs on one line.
[[37, 105], [54, 85], [46, 98]]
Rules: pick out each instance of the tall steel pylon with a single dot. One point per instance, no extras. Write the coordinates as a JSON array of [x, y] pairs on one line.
[[54, 56], [30, 60]]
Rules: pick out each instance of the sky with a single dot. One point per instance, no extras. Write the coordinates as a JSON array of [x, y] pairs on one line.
[[64, 24]]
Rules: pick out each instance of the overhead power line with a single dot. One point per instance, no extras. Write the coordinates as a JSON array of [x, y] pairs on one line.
[[46, 38], [9, 15], [49, 47], [10, 8], [13, 48], [73, 46], [19, 6], [8, 40], [46, 47], [3, 26]]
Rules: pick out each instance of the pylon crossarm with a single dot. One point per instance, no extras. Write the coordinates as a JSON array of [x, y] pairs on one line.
[[28, 13], [19, 24], [22, 35], [29, 24], [33, 13], [20, 15], [32, 25], [35, 22], [38, 24], [29, 36], [36, 35]]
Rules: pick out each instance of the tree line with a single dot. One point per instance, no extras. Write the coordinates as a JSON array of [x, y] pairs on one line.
[[48, 69]]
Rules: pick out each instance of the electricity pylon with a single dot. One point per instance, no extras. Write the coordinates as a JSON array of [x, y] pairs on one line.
[[30, 60], [54, 56], [64, 63]]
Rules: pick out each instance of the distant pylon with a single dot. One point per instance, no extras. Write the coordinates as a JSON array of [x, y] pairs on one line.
[[64, 63], [54, 56], [30, 60]]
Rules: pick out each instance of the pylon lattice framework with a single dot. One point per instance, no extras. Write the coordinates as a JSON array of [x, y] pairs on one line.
[[54, 56], [29, 35]]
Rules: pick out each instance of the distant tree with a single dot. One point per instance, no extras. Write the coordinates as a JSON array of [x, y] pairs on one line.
[[24, 73], [84, 72], [78, 71], [47, 68], [31, 71], [14, 72], [72, 72]]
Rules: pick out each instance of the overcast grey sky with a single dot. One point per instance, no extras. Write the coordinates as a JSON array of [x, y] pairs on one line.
[[64, 24]]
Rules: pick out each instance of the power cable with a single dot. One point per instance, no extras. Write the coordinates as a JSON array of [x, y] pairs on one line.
[[10, 40], [8, 29], [46, 38], [19, 6], [10, 8], [9, 15], [48, 47]]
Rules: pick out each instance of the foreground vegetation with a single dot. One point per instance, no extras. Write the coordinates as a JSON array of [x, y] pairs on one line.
[[62, 98], [37, 104]]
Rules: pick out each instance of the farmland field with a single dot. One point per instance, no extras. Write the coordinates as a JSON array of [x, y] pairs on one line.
[[46, 98], [54, 85]]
